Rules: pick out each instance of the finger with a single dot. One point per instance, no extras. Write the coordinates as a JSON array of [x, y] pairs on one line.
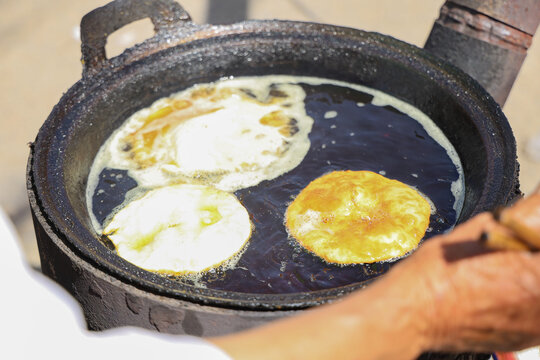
[[500, 237], [524, 219]]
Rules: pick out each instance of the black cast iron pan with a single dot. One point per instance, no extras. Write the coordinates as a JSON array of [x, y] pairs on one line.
[[182, 54]]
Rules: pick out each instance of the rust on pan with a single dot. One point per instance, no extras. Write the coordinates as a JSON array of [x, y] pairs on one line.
[[522, 15], [487, 39], [483, 27]]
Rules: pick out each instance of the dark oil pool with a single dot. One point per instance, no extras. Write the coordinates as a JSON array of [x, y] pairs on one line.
[[368, 137]]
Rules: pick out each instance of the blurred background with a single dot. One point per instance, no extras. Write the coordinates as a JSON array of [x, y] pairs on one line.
[[41, 60]]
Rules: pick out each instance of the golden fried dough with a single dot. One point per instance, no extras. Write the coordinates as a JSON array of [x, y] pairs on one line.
[[351, 217]]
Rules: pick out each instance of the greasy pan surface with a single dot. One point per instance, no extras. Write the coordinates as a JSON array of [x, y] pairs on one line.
[[95, 106]]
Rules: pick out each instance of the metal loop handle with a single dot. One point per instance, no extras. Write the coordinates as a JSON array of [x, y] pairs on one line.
[[98, 24]]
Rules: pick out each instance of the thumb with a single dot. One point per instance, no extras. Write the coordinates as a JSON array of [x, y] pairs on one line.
[[524, 219]]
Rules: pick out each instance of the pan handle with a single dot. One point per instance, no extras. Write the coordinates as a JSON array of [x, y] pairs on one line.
[[97, 25]]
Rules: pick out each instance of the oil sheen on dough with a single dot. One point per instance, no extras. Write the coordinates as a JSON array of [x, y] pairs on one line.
[[351, 217]]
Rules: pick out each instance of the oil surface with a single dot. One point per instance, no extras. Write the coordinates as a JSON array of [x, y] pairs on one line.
[[349, 133]]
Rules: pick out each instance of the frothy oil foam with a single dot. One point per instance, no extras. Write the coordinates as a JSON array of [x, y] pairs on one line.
[[231, 135]]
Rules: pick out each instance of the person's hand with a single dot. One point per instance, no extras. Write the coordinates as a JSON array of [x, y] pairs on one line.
[[454, 294], [475, 299]]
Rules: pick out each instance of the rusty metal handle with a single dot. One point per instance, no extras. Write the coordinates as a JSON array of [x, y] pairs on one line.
[[486, 39], [97, 25]]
